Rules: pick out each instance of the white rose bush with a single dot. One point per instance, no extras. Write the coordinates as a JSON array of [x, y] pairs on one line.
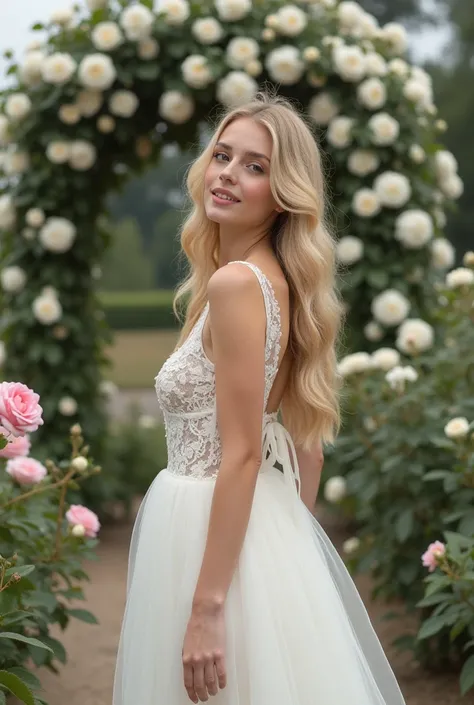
[[405, 461]]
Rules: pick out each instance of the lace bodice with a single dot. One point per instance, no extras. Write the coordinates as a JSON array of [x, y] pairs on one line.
[[185, 387]]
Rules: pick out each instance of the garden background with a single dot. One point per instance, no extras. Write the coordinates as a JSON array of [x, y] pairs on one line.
[[400, 147]]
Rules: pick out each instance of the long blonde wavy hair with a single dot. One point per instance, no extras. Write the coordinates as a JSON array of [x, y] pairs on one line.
[[305, 249]]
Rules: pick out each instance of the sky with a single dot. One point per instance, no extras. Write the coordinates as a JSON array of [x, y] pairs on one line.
[[18, 15]]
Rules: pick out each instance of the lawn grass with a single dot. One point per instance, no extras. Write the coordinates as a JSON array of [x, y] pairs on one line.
[[137, 356]]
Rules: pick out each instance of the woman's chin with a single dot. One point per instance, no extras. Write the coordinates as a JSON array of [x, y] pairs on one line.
[[219, 216]]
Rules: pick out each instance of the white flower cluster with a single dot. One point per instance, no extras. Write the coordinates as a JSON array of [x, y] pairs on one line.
[[460, 277], [12, 279], [355, 363], [457, 428], [398, 376], [449, 180], [57, 234], [46, 307], [79, 154], [335, 489]]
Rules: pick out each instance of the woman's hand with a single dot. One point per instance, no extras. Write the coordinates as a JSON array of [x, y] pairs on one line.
[[203, 652]]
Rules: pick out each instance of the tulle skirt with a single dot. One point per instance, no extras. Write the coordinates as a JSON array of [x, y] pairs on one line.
[[297, 631]]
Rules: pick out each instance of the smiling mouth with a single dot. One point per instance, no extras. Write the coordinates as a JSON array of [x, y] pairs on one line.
[[224, 196]]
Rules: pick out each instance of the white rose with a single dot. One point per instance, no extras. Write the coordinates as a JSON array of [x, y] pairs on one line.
[[17, 106], [7, 212], [105, 124], [417, 154], [254, 68], [349, 249], [457, 428], [97, 71], [47, 309], [89, 102], [285, 65], [396, 37], [399, 67], [368, 27], [349, 63], [362, 162], [384, 129], [58, 152], [137, 22], [69, 114], [375, 64], [67, 406], [414, 228], [80, 463], [372, 94], [351, 545], [452, 186], [468, 259], [176, 11], [176, 107], [35, 217], [58, 68], [236, 89], [146, 421], [148, 49], [443, 254], [418, 93], [335, 489], [373, 331], [393, 190], [339, 133], [390, 307], [62, 16], [445, 164], [323, 108], [240, 51], [414, 336], [366, 203], [311, 54], [57, 234], [207, 30], [459, 277], [106, 36], [83, 155], [349, 14], [16, 162], [31, 68], [123, 103], [233, 10], [354, 364], [78, 530], [196, 71], [291, 20], [94, 5], [398, 376], [13, 279], [385, 359]]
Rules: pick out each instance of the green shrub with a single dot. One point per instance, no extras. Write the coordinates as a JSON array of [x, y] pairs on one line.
[[137, 310]]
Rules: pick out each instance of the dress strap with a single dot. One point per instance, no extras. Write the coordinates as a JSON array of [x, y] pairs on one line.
[[278, 445]]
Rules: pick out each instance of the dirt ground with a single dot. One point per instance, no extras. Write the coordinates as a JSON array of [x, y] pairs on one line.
[[87, 678]]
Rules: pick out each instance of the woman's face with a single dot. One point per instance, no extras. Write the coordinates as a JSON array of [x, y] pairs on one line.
[[237, 181]]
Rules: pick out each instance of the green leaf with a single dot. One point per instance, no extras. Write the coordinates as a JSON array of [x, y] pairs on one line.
[[466, 678], [25, 639], [37, 27], [3, 699], [29, 678], [404, 525], [16, 686], [84, 616], [434, 599], [430, 627], [20, 570]]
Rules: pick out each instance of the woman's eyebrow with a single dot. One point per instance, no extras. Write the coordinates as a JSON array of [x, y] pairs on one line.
[[258, 155]]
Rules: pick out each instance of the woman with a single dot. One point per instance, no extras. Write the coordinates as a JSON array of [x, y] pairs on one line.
[[234, 590]]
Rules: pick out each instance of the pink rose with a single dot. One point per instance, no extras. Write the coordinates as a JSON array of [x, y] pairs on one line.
[[79, 515], [20, 412], [26, 471], [18, 446], [432, 554]]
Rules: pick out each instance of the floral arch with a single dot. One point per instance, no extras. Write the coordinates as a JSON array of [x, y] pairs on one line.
[[113, 84]]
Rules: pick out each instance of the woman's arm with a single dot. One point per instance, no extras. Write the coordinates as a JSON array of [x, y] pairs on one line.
[[237, 317]]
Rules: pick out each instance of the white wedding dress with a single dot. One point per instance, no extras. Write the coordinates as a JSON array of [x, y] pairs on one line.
[[297, 630]]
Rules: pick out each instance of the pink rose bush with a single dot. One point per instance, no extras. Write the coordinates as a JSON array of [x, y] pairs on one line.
[[435, 551], [20, 412], [19, 446], [77, 515], [26, 471]]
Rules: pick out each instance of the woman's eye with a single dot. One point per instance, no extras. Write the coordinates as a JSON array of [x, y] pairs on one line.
[[219, 154], [256, 167]]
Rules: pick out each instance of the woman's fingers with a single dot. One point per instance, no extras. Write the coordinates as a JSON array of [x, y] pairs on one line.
[[210, 677], [199, 681], [189, 680], [221, 671]]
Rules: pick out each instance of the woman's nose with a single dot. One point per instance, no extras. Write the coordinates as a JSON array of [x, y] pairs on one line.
[[227, 174]]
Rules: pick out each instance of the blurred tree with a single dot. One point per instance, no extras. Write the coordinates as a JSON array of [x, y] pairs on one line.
[[165, 249], [412, 12], [126, 266]]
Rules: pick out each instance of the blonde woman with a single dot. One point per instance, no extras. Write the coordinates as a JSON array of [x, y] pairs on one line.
[[235, 593]]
